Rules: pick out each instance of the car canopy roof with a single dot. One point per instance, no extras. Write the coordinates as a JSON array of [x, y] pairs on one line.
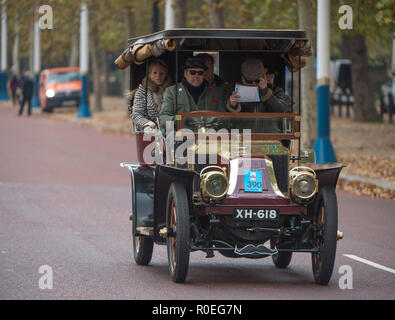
[[227, 39]]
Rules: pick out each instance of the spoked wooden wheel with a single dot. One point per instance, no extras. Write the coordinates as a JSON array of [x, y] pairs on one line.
[[325, 236], [142, 249], [178, 232]]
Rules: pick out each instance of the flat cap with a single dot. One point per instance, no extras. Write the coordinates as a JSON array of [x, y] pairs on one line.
[[194, 62], [252, 69]]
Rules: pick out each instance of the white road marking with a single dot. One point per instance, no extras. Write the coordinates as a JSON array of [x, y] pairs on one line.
[[370, 263]]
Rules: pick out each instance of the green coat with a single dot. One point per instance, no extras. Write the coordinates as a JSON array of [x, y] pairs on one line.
[[212, 98]]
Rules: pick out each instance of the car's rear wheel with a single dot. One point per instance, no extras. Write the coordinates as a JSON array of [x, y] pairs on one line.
[[282, 259], [325, 237], [142, 249], [178, 238]]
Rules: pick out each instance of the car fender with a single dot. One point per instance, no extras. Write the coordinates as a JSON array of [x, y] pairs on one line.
[[142, 195], [328, 176]]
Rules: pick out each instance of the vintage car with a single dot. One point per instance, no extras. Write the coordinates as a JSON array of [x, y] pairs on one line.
[[233, 183]]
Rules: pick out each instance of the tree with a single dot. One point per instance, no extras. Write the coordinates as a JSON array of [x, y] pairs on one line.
[[309, 95], [94, 46], [216, 13], [371, 23]]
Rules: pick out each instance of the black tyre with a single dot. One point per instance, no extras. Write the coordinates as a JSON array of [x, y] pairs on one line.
[[282, 259], [178, 239], [325, 237], [48, 108], [142, 249]]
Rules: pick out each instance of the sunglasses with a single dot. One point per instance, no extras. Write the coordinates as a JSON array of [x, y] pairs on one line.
[[193, 72], [252, 81]]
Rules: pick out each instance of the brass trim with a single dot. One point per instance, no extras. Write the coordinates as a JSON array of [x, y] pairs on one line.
[[339, 235], [144, 229], [298, 118], [178, 117], [296, 172], [163, 232], [272, 177], [205, 176]]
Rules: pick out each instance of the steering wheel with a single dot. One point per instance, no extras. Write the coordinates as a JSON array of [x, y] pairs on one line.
[[204, 122]]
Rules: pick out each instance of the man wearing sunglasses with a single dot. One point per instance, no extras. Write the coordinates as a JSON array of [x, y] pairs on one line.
[[253, 74], [193, 93]]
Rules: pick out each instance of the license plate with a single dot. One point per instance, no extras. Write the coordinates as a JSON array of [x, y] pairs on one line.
[[69, 103], [256, 214]]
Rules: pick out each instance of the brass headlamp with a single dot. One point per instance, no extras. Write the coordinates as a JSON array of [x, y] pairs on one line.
[[303, 183], [214, 184]]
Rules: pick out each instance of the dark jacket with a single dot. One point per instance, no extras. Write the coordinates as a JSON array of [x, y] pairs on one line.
[[212, 98], [272, 100], [27, 88], [14, 84]]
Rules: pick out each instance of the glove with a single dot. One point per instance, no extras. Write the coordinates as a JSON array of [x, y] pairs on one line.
[[150, 126]]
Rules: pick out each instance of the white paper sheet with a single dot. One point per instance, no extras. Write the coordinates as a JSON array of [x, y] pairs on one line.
[[247, 93]]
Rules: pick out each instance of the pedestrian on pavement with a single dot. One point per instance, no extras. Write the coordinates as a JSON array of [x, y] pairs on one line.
[[27, 92], [14, 84]]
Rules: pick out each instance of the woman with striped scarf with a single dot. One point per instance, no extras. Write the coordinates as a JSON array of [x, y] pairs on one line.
[[147, 100]]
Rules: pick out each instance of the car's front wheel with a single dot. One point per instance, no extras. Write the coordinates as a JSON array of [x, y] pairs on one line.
[[325, 236], [178, 237]]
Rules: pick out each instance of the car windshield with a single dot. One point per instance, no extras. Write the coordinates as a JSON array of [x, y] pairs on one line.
[[277, 124], [64, 77], [256, 125]]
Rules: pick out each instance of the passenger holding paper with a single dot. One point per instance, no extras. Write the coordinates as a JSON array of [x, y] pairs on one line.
[[257, 93]]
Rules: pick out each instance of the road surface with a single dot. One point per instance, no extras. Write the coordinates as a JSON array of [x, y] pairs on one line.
[[64, 208]]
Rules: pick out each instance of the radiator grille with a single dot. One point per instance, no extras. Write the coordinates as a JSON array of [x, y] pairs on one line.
[[280, 164]]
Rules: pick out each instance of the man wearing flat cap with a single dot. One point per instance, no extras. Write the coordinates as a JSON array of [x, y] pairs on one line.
[[193, 93], [253, 74]]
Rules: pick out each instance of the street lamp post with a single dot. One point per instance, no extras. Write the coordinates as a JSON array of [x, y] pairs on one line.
[[323, 146], [36, 63], [3, 83], [83, 110]]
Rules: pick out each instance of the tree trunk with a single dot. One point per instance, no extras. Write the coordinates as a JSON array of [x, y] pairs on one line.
[[129, 15], [364, 105], [96, 70], [176, 14], [73, 61], [309, 94], [15, 49], [104, 71], [216, 14]]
